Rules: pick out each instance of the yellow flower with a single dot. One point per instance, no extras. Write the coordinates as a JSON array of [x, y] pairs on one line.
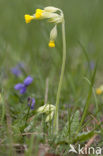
[[52, 15], [52, 44], [38, 13], [28, 18], [98, 91]]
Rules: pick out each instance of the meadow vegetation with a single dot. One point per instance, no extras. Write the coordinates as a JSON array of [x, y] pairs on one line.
[[30, 72]]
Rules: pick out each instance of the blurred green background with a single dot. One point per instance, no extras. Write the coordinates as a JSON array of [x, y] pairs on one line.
[[28, 43]]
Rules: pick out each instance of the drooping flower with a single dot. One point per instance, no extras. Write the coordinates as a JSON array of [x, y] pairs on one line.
[[31, 102], [52, 44], [28, 18], [38, 13], [23, 86], [51, 14], [53, 35], [99, 90]]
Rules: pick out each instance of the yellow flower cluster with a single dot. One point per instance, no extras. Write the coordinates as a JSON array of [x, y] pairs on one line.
[[49, 13], [37, 15]]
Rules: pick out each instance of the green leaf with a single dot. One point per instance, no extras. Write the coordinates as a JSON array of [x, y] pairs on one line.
[[74, 124], [85, 136]]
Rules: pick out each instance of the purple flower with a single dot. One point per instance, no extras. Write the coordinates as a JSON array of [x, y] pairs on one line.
[[28, 81], [16, 71], [23, 86], [31, 102]]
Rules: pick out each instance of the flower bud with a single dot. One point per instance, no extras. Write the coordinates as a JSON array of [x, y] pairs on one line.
[[50, 9], [46, 108], [53, 33], [49, 117]]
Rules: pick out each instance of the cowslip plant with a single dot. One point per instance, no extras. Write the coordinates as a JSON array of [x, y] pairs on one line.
[[56, 16]]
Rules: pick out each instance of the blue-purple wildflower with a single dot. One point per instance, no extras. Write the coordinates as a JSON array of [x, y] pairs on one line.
[[31, 102], [23, 86], [17, 71]]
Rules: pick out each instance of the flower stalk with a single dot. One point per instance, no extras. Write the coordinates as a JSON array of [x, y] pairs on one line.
[[56, 118]]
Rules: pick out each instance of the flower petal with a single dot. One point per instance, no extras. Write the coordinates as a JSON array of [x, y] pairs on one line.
[[16, 71], [28, 81], [23, 90], [31, 103], [18, 86]]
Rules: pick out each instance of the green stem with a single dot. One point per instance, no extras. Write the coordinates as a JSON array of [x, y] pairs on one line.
[[56, 122]]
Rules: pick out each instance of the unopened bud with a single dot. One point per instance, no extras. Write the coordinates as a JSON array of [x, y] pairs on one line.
[[49, 117], [46, 108], [53, 33], [51, 9]]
